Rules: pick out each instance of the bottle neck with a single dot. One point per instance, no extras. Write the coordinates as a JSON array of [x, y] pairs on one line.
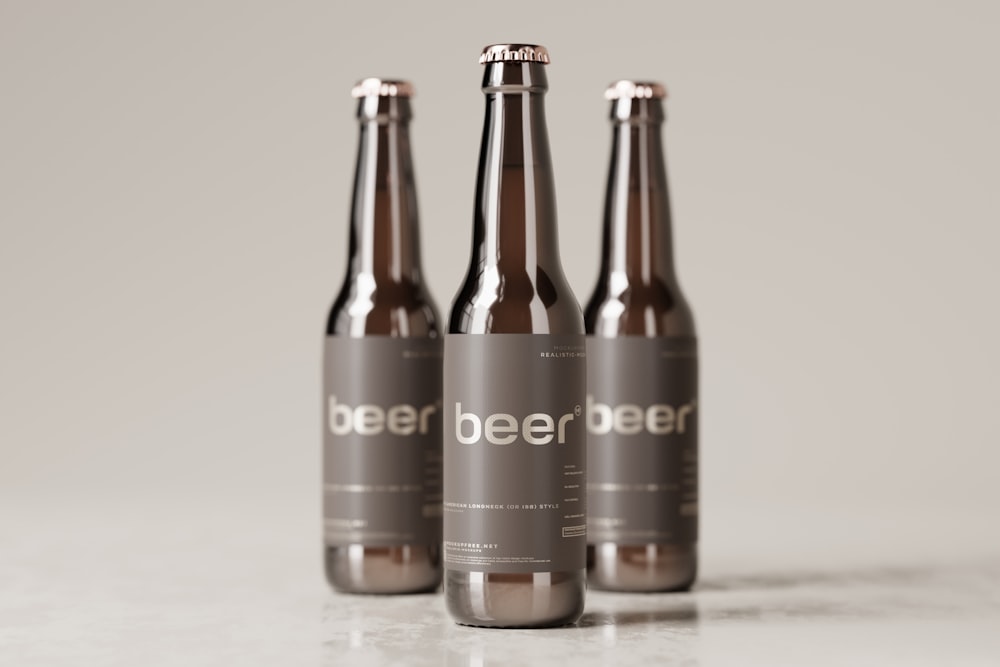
[[384, 241], [515, 226], [638, 244]]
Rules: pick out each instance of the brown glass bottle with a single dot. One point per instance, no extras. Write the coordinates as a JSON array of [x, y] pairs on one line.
[[389, 357], [638, 295], [515, 293]]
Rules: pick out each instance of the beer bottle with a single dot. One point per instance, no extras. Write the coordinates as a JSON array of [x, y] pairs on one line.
[[382, 374], [515, 439], [642, 402]]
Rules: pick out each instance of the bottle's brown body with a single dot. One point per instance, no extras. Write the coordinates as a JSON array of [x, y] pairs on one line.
[[383, 295], [638, 294], [515, 285]]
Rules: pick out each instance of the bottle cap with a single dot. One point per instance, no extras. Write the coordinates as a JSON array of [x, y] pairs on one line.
[[628, 89], [374, 87], [525, 53]]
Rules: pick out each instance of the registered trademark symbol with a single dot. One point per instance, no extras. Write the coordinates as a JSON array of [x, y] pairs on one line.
[[577, 410]]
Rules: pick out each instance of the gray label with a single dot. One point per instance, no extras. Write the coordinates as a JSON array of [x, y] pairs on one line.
[[514, 451], [642, 440], [382, 441]]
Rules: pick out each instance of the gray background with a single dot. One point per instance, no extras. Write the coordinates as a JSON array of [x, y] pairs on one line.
[[175, 192]]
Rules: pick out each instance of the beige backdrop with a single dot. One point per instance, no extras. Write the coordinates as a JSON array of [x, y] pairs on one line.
[[175, 192]]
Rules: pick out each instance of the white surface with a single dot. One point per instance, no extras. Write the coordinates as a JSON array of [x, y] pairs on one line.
[[206, 583]]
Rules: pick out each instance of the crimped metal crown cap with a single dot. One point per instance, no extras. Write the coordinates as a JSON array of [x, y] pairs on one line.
[[525, 53], [628, 89], [373, 87]]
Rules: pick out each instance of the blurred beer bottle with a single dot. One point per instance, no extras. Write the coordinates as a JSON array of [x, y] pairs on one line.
[[642, 366], [382, 374]]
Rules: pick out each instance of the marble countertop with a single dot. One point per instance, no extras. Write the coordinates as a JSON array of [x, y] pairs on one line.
[[878, 617], [133, 584]]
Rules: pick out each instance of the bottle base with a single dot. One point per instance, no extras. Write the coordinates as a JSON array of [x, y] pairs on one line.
[[641, 568], [522, 600], [401, 569]]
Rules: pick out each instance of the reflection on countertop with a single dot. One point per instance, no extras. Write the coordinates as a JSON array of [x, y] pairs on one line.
[[170, 584], [809, 617]]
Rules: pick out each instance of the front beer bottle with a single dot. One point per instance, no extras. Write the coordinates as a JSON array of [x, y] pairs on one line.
[[514, 446], [382, 375], [642, 402]]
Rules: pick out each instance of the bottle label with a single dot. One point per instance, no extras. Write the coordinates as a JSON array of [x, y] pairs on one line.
[[642, 440], [515, 453], [382, 441]]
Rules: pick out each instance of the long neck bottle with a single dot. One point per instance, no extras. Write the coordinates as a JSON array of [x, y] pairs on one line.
[[382, 374], [383, 291], [520, 385], [515, 282], [637, 290], [641, 351]]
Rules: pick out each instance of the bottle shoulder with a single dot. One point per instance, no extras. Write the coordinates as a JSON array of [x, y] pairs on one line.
[[653, 308], [385, 308], [515, 302]]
